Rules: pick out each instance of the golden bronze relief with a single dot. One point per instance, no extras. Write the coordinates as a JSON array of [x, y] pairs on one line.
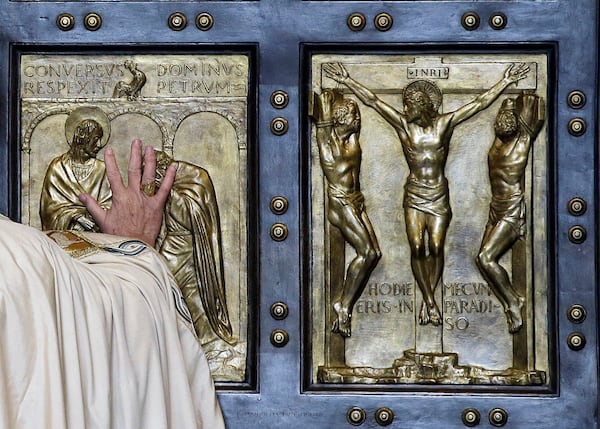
[[338, 127], [435, 307], [191, 108], [190, 242], [75, 172]]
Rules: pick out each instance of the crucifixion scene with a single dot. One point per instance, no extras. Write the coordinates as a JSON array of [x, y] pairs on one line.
[[447, 156]]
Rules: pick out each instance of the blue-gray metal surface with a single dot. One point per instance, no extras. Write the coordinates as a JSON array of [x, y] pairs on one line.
[[282, 30]]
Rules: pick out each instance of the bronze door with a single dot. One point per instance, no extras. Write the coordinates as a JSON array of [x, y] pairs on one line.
[[402, 215]]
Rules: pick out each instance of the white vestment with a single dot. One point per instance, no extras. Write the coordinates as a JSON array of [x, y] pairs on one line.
[[96, 340]]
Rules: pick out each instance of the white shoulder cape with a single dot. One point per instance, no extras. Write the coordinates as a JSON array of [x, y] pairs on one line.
[[97, 341]]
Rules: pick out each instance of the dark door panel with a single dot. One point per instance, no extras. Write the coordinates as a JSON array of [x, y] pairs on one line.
[[332, 231]]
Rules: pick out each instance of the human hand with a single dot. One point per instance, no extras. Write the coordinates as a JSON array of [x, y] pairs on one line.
[[516, 72], [133, 213], [336, 71]]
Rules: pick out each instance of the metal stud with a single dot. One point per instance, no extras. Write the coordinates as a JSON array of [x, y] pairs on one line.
[[279, 337], [279, 99], [384, 416], [576, 99], [498, 21], [470, 417], [498, 417], [577, 234], [470, 21], [279, 232], [204, 21], [177, 21], [356, 416], [92, 21], [65, 21], [279, 205], [576, 341], [577, 127], [577, 206], [356, 21], [577, 313], [279, 126], [279, 310], [383, 21]]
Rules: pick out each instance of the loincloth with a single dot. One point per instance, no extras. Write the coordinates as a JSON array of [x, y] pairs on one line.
[[353, 199], [510, 210], [433, 200]]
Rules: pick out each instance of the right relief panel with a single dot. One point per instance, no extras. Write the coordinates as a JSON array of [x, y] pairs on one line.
[[429, 185]]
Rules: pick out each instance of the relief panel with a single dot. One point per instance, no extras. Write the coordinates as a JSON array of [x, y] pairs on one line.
[[428, 206], [193, 109]]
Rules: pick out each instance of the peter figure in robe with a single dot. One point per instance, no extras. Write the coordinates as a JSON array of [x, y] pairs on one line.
[[190, 242], [76, 172]]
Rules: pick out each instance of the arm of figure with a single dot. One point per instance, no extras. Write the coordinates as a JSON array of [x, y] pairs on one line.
[[339, 73], [133, 213], [323, 118], [513, 74]]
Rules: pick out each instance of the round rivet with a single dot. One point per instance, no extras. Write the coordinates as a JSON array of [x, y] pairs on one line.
[[204, 21], [279, 310], [577, 234], [498, 21], [577, 127], [470, 417], [279, 338], [577, 206], [65, 21], [279, 232], [384, 416], [498, 417], [356, 21], [577, 313], [279, 126], [383, 21], [92, 21], [356, 416], [279, 99], [279, 205], [177, 21], [576, 341], [576, 99], [470, 21]]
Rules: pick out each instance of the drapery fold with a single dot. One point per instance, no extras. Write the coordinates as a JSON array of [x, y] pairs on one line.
[[95, 340]]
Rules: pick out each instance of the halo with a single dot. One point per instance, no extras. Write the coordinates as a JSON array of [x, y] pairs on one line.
[[83, 113], [431, 89]]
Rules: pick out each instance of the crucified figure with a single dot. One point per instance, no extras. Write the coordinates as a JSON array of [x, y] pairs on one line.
[[518, 123], [425, 137], [338, 127]]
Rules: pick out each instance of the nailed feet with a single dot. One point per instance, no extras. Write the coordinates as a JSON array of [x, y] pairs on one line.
[[341, 325], [430, 314]]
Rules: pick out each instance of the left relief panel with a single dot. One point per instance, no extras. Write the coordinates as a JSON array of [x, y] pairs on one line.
[[191, 108]]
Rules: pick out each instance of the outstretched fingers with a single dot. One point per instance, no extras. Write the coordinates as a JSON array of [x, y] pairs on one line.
[[336, 71], [165, 187], [134, 170], [112, 172], [149, 166], [518, 72]]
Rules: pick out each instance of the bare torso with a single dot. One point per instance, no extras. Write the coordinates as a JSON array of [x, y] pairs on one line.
[[340, 161], [426, 150], [507, 162]]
